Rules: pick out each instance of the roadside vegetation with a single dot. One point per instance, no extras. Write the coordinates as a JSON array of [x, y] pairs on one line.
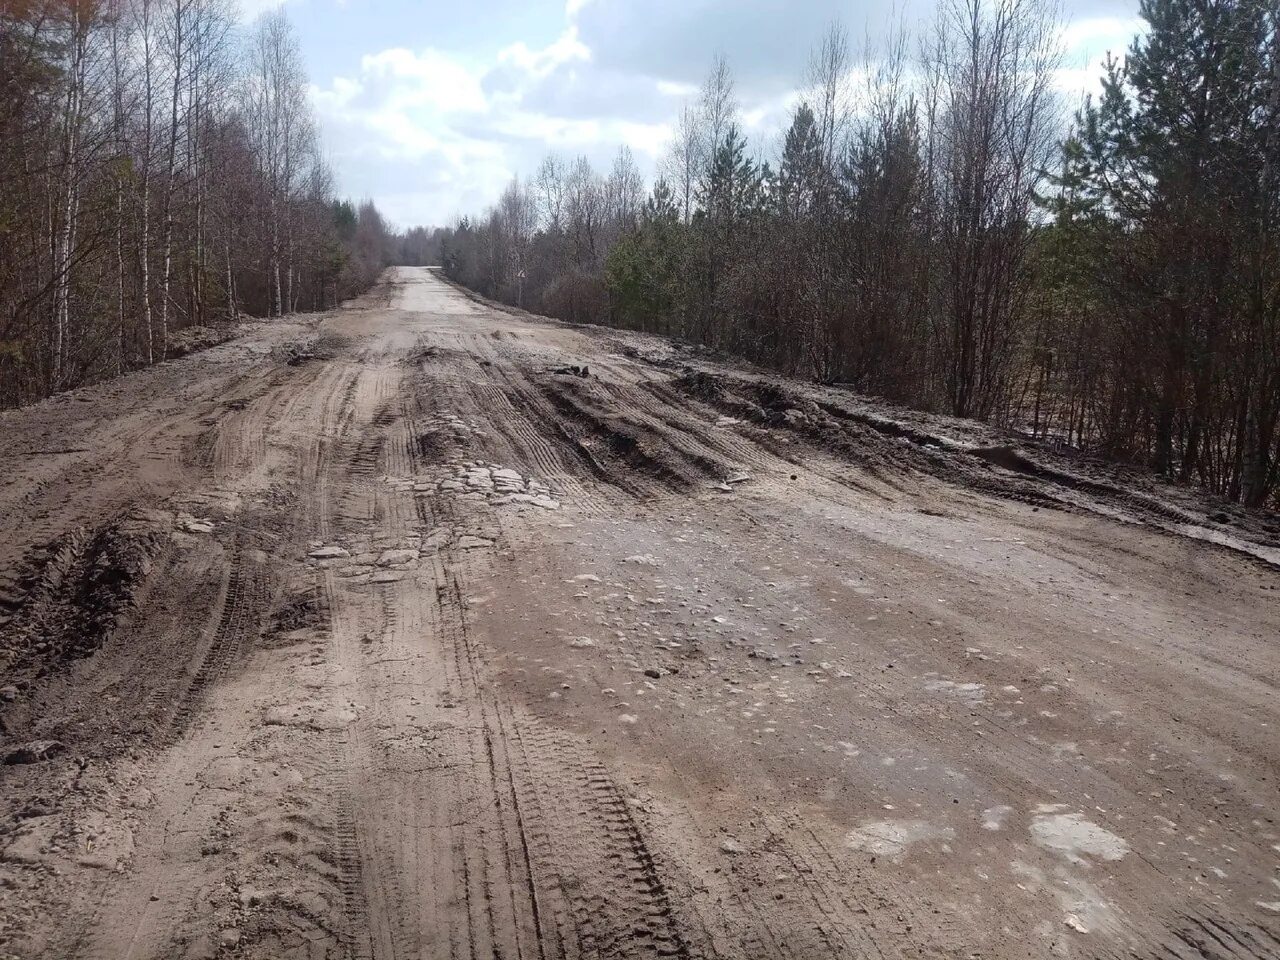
[[930, 230], [160, 170]]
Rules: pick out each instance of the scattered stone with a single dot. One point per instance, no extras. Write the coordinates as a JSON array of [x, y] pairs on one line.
[[386, 576], [732, 847], [468, 542], [8, 693], [644, 559], [498, 485], [653, 674]]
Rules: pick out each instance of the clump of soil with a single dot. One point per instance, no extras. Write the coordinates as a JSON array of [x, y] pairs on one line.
[[303, 609]]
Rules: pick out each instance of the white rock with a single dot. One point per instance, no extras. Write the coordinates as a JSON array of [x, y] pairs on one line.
[[328, 553], [390, 558], [731, 846]]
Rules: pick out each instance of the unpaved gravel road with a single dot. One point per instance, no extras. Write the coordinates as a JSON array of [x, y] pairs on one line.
[[375, 636]]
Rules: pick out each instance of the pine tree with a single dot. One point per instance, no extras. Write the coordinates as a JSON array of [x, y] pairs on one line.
[[661, 206], [800, 171], [733, 186]]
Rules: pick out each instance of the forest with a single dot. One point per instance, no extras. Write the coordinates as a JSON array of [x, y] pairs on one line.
[[161, 170], [939, 229]]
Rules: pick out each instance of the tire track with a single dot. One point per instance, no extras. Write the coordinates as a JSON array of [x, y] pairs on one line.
[[623, 910]]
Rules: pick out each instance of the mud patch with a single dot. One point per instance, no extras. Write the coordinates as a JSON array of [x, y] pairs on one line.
[[70, 593]]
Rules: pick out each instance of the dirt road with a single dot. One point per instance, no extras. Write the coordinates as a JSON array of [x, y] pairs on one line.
[[388, 634]]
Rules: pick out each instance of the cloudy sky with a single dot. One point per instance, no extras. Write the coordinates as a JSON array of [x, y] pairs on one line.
[[430, 107]]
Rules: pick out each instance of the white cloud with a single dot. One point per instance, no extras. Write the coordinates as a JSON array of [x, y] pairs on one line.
[[674, 88], [1086, 44], [541, 63], [453, 128], [646, 138], [430, 79], [1094, 36], [250, 10]]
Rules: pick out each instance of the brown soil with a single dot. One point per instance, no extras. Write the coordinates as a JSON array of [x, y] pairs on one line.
[[388, 634]]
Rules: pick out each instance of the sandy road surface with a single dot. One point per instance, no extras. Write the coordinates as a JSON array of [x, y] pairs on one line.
[[415, 647]]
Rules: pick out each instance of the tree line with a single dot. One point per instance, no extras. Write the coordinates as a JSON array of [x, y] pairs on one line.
[[932, 230], [160, 170]]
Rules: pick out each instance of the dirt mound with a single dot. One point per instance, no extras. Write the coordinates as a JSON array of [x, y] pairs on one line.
[[192, 339]]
